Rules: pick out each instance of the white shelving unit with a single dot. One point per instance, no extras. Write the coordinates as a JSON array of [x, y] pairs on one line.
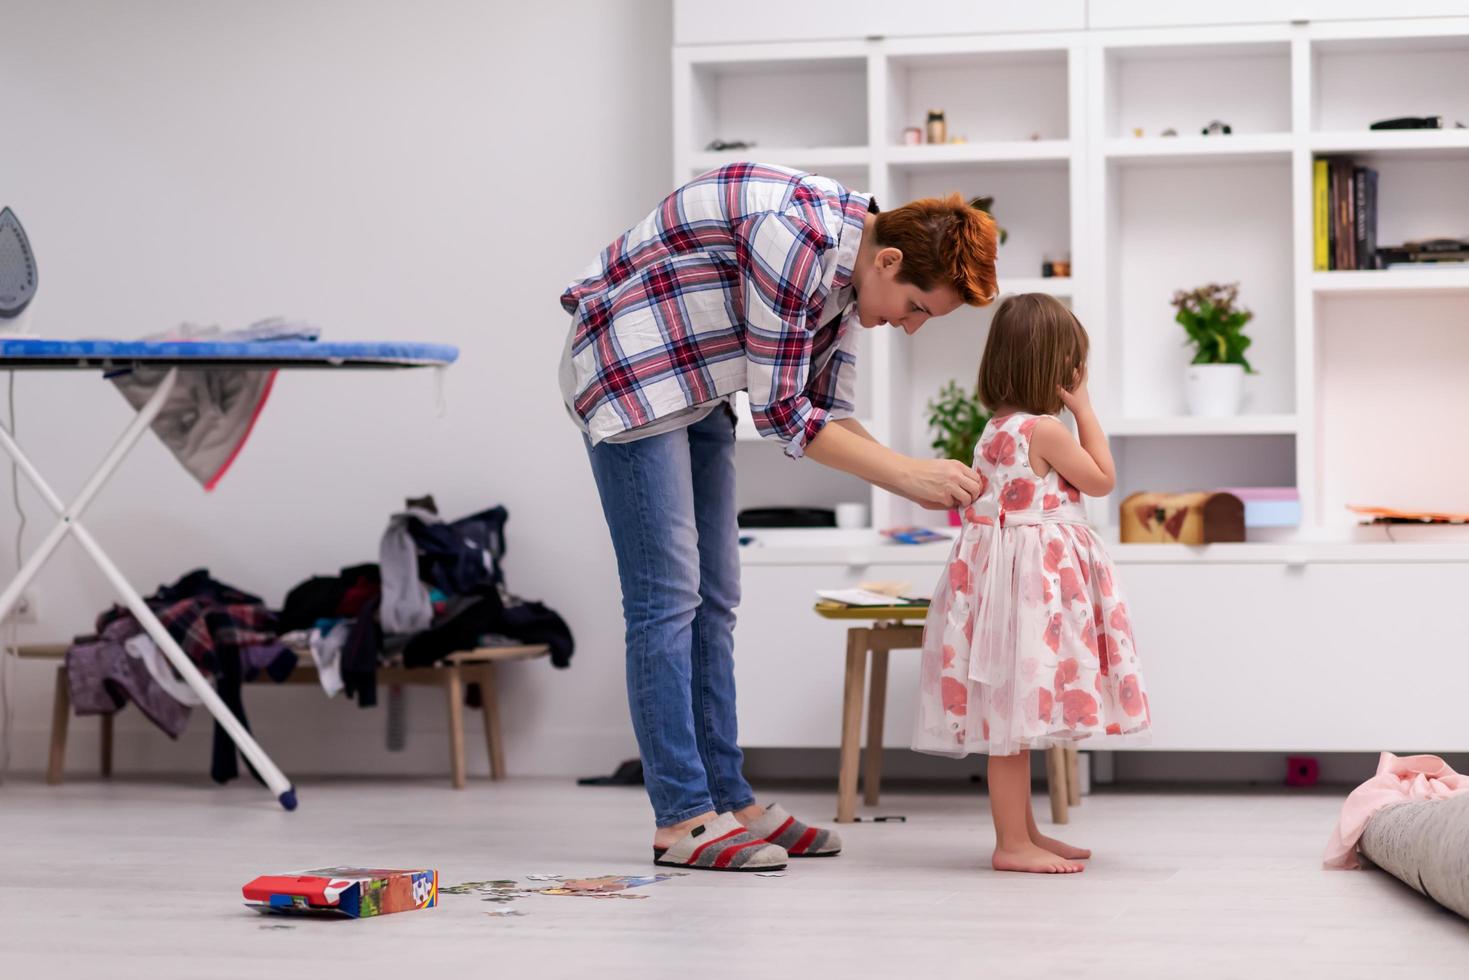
[[1048, 120], [1360, 372]]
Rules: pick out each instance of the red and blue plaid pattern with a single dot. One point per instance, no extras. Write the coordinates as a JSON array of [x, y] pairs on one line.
[[723, 288]]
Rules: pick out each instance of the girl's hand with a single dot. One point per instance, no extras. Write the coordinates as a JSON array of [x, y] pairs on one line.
[[1078, 398]]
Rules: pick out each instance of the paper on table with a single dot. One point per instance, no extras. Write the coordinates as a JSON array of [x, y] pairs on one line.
[[864, 597]]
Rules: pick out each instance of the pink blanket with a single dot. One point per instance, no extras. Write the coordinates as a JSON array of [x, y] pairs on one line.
[[1398, 780]]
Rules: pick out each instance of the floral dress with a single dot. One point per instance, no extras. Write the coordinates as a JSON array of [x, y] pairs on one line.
[[1027, 643]]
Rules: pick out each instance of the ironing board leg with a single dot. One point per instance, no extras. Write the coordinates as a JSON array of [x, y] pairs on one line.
[[69, 523]]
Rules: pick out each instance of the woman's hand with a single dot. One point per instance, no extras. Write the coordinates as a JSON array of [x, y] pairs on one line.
[[1078, 397], [939, 484]]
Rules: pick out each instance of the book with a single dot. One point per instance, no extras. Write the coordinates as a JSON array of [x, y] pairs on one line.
[[1393, 515], [348, 893], [1332, 194], [1364, 218], [1346, 257], [1269, 506], [1371, 224], [913, 535], [1322, 215]]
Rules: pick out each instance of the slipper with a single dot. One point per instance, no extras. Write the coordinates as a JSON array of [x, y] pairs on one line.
[[780, 828], [722, 844]]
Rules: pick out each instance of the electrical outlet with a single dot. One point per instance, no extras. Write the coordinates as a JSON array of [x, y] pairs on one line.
[[25, 608]]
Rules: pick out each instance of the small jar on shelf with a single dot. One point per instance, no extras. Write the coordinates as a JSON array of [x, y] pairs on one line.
[[938, 128]]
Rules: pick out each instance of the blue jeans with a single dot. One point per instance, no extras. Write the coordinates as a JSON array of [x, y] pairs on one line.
[[670, 505]]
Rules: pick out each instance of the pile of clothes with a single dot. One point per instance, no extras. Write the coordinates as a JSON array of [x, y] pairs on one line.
[[228, 634], [438, 588]]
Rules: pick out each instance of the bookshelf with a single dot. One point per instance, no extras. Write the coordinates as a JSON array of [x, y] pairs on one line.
[[1358, 369], [1048, 118]]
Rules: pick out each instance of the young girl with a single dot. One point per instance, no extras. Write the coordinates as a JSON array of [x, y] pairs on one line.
[[1027, 644]]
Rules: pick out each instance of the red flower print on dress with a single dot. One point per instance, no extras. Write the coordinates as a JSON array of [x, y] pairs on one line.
[[1078, 708], [1055, 554], [1066, 673], [1104, 582], [1089, 637], [1045, 706], [984, 726], [1018, 494], [1053, 632], [1071, 588], [1108, 651], [1000, 450], [1114, 729], [1028, 426], [956, 696], [1097, 613], [949, 655], [1147, 709], [959, 576], [1119, 619], [1072, 494], [1131, 696], [969, 629], [1050, 502]]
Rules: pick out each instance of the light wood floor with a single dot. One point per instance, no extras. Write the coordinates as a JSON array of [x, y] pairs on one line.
[[139, 879]]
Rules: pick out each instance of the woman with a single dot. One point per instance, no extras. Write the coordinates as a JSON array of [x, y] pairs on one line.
[[750, 278]]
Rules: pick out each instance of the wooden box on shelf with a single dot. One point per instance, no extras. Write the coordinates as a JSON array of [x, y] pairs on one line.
[[1183, 518]]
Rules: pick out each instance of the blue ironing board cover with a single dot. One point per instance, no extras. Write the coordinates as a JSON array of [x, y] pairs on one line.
[[109, 354]]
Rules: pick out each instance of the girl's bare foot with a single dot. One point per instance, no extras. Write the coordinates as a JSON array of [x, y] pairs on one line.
[[1033, 858], [1058, 847]]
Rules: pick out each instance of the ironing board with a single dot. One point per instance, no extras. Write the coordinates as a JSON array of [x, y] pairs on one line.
[[118, 355]]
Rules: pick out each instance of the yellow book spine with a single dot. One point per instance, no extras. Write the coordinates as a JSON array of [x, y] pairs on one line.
[[1322, 212]]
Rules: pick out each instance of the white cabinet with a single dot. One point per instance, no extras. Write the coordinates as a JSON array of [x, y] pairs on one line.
[[1171, 13], [1349, 657], [790, 663], [702, 22], [1344, 656]]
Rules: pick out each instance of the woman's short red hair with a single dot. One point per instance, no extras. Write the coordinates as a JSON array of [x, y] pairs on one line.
[[945, 242]]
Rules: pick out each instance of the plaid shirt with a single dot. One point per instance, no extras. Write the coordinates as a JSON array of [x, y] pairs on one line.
[[216, 615], [723, 288]]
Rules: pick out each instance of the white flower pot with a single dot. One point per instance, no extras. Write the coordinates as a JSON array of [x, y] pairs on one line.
[[1214, 389]]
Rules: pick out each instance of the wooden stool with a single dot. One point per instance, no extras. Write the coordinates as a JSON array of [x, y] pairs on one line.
[[452, 674], [894, 628]]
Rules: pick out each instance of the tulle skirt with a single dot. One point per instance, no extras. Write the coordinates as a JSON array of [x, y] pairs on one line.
[[1027, 644]]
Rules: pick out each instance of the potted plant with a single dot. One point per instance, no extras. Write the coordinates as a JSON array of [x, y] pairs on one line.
[[957, 419], [987, 205], [1214, 380]]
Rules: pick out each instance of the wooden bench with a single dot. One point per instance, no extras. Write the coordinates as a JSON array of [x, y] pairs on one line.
[[452, 674]]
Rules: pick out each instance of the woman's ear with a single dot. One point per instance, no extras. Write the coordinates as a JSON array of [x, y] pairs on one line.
[[889, 259]]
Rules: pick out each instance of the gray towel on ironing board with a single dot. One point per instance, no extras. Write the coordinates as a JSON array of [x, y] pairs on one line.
[[208, 414]]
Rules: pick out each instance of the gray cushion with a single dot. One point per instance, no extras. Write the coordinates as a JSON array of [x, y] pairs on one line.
[[1426, 844]]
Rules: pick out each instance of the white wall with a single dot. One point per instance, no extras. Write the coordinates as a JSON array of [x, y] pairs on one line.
[[433, 171]]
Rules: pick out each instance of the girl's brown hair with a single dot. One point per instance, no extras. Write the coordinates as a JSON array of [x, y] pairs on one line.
[[944, 242], [1035, 344]]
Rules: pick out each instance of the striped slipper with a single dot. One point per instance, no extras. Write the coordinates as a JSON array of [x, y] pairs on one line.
[[722, 844], [799, 840]]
